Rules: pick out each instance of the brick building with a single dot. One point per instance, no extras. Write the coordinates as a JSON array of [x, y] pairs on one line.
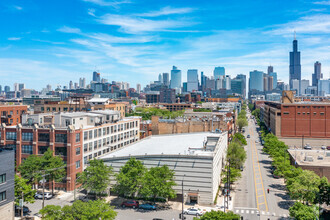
[[76, 137], [12, 114]]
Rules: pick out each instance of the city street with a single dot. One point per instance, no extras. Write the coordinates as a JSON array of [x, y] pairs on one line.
[[252, 200]]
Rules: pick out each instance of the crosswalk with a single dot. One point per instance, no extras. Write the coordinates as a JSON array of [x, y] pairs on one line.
[[257, 213]]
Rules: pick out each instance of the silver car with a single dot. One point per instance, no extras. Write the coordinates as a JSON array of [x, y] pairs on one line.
[[47, 195]]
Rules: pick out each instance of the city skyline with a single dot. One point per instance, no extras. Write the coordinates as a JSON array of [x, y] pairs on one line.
[[127, 42]]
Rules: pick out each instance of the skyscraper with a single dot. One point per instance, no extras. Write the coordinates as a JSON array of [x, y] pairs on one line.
[[96, 77], [71, 85], [218, 72], [296, 86], [0, 89], [192, 80], [242, 77], [166, 79], [138, 88], [270, 69], [256, 81], [82, 83], [274, 75], [295, 67], [176, 79], [304, 84], [317, 75], [160, 78], [323, 87], [7, 89]]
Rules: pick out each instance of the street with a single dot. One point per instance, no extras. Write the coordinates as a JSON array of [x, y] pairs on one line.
[[252, 201]]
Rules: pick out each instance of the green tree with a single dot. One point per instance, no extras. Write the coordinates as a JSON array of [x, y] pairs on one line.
[[22, 188], [236, 154], [218, 215], [256, 113], [30, 169], [130, 177], [300, 211], [305, 186], [251, 107], [240, 138], [241, 122], [98, 209], [54, 167], [324, 191], [158, 182], [96, 177], [235, 174]]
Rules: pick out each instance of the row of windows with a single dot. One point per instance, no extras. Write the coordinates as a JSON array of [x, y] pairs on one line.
[[28, 136], [298, 113], [65, 109], [27, 149], [18, 112], [88, 135]]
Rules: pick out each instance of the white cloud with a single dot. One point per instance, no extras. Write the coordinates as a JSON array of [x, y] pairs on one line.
[[66, 29], [91, 11], [322, 3], [114, 39], [19, 8], [136, 25], [14, 38], [316, 24], [113, 3], [166, 11]]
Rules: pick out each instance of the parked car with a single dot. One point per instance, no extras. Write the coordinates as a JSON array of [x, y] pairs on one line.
[[248, 136], [134, 204], [147, 206], [323, 147], [276, 176], [328, 147], [18, 209], [241, 168], [47, 195], [307, 147], [193, 211]]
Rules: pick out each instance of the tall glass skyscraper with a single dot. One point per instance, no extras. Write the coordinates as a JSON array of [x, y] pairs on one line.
[[219, 72], [274, 75], [192, 80], [295, 67], [256, 81], [96, 77], [166, 79], [176, 78], [317, 73]]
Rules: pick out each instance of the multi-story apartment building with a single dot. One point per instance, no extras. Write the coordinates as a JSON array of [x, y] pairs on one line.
[[7, 185], [79, 104], [11, 114], [77, 137]]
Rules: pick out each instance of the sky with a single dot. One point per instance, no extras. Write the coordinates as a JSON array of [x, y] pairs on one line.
[[55, 41]]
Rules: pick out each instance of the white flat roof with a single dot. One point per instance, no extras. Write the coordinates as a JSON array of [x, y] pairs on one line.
[[172, 144]]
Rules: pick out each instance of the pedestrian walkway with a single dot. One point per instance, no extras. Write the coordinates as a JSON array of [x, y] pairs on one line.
[[254, 212]]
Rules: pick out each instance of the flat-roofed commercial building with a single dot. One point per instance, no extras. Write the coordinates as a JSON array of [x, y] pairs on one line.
[[197, 158], [12, 114], [77, 137]]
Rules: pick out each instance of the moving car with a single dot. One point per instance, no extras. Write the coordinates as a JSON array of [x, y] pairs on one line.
[[46, 195], [248, 136], [193, 211], [134, 204], [147, 206], [307, 147]]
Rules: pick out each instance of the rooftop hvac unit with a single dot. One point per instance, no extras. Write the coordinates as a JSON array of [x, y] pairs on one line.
[[309, 158]]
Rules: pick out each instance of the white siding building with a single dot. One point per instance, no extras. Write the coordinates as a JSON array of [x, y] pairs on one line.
[[197, 158]]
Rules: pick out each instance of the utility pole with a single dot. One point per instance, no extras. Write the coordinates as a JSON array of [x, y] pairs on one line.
[[22, 205], [43, 190]]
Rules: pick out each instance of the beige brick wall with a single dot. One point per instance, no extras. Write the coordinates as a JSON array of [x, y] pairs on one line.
[[7, 211]]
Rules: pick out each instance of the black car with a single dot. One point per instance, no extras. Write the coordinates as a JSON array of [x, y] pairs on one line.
[[18, 209], [248, 136]]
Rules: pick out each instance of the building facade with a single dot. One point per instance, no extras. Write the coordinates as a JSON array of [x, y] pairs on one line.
[[295, 67], [12, 114], [7, 184]]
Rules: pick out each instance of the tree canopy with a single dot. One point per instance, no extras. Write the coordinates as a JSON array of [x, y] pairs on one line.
[[130, 177], [218, 215], [98, 209], [96, 177], [300, 211], [147, 113], [158, 182], [23, 189]]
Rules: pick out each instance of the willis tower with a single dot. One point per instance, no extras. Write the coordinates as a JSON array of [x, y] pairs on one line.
[[295, 67]]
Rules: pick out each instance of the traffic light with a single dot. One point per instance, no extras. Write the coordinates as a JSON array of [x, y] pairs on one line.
[[268, 191]]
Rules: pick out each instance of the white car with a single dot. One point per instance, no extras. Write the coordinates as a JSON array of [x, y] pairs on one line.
[[193, 211], [46, 195]]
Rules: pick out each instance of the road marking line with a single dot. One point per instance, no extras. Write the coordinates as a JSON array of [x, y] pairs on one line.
[[262, 185], [242, 211], [247, 211], [261, 203], [252, 212], [254, 175], [260, 195], [262, 212]]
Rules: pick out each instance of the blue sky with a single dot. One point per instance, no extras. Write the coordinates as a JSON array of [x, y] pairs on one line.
[[56, 41]]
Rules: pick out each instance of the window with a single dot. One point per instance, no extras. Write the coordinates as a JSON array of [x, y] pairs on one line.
[[95, 145], [3, 196], [78, 151], [85, 135], [100, 143], [61, 138], [285, 113], [77, 164], [104, 141], [100, 132], [27, 136], [27, 149], [90, 146], [90, 134], [42, 149], [77, 137], [2, 178], [62, 151], [298, 113], [321, 113], [11, 135], [85, 160], [85, 147], [43, 137], [95, 133], [108, 130], [104, 131]]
